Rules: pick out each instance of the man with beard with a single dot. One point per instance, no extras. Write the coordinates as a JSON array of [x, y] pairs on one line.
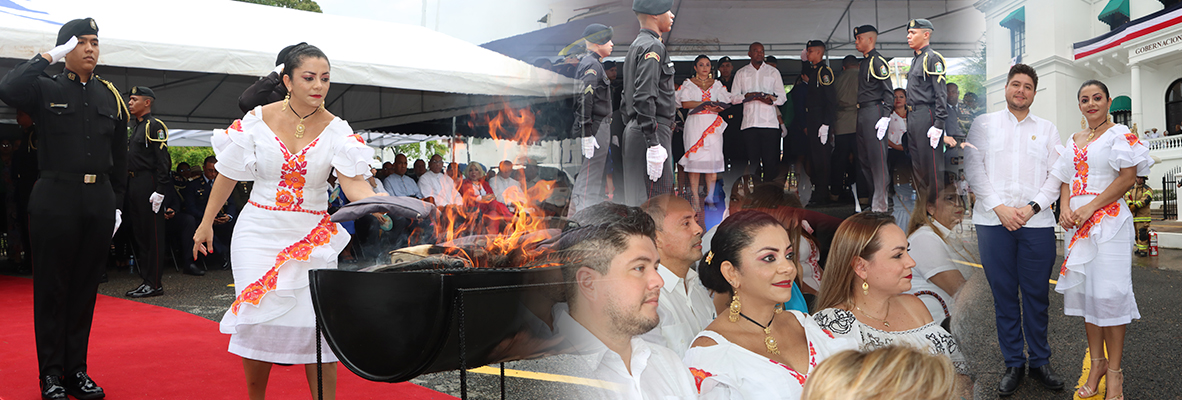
[[685, 307], [612, 289]]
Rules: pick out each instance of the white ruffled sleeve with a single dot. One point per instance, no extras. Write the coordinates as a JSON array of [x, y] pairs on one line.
[[234, 148], [351, 156], [1129, 151], [1064, 168], [685, 93]]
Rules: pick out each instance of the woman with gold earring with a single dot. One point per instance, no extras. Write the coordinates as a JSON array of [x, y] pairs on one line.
[[862, 293], [755, 350], [1096, 280]]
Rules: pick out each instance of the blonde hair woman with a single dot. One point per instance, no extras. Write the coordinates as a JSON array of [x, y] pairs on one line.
[[894, 372]]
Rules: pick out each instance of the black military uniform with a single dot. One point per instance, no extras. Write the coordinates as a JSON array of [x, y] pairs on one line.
[[927, 102], [820, 108], [267, 89], [148, 167], [593, 109], [648, 109], [24, 174], [876, 97], [82, 153]]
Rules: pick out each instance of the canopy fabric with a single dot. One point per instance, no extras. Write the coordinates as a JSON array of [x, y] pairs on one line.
[[1114, 11], [1121, 103], [728, 27], [199, 55], [1016, 19]]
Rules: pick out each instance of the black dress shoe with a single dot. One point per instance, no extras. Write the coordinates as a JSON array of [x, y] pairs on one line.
[[192, 269], [147, 292], [1047, 377], [52, 388], [83, 388], [1010, 380], [141, 289]]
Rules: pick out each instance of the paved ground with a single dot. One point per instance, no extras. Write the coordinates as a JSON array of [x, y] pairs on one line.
[[1151, 356]]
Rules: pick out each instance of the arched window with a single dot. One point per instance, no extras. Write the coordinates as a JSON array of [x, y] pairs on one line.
[[1174, 108]]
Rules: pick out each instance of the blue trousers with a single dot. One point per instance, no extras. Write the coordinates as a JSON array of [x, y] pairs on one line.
[[1019, 260]]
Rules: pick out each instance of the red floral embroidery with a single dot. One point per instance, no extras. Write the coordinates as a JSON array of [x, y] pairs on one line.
[[812, 363], [236, 125], [709, 130], [827, 332], [291, 188], [284, 199], [699, 376], [1132, 138], [300, 250], [358, 138], [1079, 185], [1084, 229]]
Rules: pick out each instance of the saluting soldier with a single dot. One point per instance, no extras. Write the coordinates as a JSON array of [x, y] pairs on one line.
[[593, 109], [82, 147], [927, 102], [875, 100], [649, 105], [820, 110]]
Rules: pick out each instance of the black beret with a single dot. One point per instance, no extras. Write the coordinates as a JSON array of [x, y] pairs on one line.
[[608, 65], [78, 27], [920, 24], [771, 60], [724, 59], [849, 60], [652, 7], [283, 53], [863, 29], [814, 43], [598, 33], [142, 91]]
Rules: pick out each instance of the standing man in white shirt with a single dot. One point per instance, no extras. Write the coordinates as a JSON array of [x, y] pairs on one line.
[[437, 186], [685, 307], [1009, 156], [613, 288], [760, 89]]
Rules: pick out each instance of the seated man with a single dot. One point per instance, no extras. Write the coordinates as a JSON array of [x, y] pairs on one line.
[[196, 196], [506, 187], [612, 289], [685, 306], [437, 186]]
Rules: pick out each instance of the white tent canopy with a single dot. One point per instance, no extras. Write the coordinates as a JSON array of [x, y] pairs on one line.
[[199, 55]]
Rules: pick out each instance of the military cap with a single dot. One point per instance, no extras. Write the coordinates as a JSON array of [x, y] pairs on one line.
[[724, 59], [652, 7], [771, 60], [849, 60], [78, 27], [598, 33], [863, 29], [814, 43], [920, 24], [608, 65], [282, 58], [142, 91]]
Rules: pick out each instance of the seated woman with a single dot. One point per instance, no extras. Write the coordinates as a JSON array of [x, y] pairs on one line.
[[747, 352], [939, 252], [867, 271], [476, 192]]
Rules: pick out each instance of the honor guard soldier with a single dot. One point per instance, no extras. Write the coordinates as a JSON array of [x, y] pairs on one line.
[[649, 105], [82, 147], [927, 102], [820, 110], [593, 109], [875, 100]]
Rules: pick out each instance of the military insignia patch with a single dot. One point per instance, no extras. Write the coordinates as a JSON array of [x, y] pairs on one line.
[[93, 25], [939, 67], [134, 90], [590, 72], [653, 55], [882, 69], [825, 79]]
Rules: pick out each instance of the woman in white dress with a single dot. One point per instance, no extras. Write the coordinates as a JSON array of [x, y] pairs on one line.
[[941, 254], [862, 293], [703, 129], [751, 351], [288, 149], [1096, 278]]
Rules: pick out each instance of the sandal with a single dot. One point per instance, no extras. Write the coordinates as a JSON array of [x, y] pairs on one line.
[[1084, 391], [1122, 384]]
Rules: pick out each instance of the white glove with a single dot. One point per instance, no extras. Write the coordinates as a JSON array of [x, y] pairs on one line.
[[823, 133], [783, 131], [118, 221], [279, 69], [60, 51], [589, 146], [156, 199], [934, 135], [881, 126], [655, 157]]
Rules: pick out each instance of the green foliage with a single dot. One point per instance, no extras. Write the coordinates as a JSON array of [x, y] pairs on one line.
[[969, 83], [195, 156], [414, 152], [305, 5]]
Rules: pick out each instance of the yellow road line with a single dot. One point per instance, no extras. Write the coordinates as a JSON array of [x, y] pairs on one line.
[[975, 265], [542, 376], [1083, 378]]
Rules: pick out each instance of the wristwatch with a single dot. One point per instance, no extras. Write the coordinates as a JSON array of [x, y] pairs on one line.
[[1034, 206]]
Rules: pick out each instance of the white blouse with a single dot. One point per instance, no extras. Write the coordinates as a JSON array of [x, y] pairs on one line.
[[930, 337]]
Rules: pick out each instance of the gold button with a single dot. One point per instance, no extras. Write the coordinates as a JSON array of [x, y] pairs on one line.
[[1032, 137]]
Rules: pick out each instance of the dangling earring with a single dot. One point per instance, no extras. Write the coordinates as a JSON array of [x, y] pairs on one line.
[[736, 308], [285, 100], [1083, 122], [865, 288], [1109, 117]]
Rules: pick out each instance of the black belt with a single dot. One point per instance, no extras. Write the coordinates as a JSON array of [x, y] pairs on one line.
[[924, 105], [142, 172], [74, 177]]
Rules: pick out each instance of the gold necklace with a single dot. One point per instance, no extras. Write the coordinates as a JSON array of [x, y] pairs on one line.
[[300, 126], [884, 317], [768, 340], [1093, 132]]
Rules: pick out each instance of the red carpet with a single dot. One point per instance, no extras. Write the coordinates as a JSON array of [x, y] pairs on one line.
[[141, 351]]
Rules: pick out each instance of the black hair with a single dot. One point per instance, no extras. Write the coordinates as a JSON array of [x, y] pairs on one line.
[[210, 159], [296, 56], [606, 212], [1091, 82], [1024, 70], [701, 56], [282, 57], [733, 234], [594, 246]]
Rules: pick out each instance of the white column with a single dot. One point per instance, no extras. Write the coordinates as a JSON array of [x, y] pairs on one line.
[[1135, 74]]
